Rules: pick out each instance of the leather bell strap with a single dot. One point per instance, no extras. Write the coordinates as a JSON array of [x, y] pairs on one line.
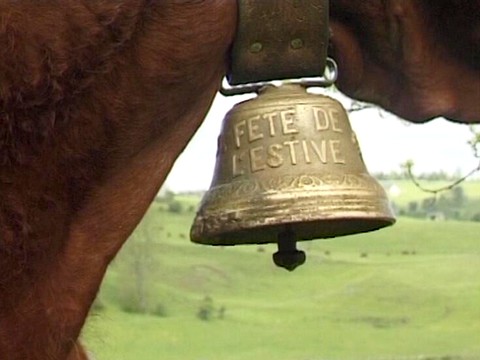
[[279, 39]]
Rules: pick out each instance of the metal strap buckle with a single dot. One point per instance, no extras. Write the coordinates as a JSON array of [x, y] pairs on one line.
[[327, 79]]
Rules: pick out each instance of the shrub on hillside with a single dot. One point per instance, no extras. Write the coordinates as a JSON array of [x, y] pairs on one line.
[[206, 310], [476, 217], [175, 207], [130, 302], [160, 310]]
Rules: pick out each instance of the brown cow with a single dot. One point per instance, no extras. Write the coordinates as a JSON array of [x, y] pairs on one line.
[[98, 98]]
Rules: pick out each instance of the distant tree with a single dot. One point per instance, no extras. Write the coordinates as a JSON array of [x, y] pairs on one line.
[[428, 204], [206, 310], [393, 175], [169, 195], [459, 198], [474, 144], [435, 176], [412, 207], [444, 202], [476, 217], [136, 265], [175, 207]]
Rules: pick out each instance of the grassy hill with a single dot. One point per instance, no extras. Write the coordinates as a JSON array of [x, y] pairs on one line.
[[408, 292], [404, 192]]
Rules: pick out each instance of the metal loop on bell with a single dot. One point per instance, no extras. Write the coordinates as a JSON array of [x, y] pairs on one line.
[[327, 79]]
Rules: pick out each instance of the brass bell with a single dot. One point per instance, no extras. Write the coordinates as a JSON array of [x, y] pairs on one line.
[[288, 168]]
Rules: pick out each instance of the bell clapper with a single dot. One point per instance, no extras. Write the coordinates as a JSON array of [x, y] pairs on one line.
[[288, 256]]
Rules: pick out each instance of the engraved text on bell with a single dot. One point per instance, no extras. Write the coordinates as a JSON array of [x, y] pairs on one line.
[[286, 137]]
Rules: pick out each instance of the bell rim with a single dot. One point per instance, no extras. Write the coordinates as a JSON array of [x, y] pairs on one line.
[[243, 235], [368, 210]]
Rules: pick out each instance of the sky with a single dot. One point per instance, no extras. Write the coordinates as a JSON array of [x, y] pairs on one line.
[[385, 140]]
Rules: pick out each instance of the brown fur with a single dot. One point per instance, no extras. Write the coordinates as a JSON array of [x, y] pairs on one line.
[[416, 58], [97, 99]]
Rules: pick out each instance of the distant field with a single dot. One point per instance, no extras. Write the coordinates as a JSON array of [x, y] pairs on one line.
[[400, 191], [408, 292], [409, 192]]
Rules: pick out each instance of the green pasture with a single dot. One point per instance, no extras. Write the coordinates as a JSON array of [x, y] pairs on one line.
[[408, 292], [409, 192], [403, 192]]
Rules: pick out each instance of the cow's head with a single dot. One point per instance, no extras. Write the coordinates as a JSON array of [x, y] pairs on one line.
[[416, 58]]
